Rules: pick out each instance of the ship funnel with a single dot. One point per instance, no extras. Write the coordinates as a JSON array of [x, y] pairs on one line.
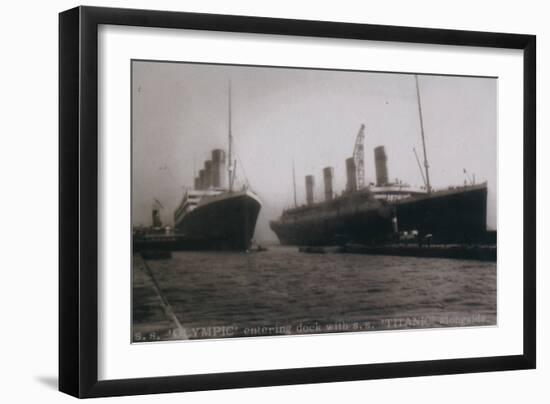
[[218, 168], [201, 179], [197, 184], [207, 174], [156, 217], [381, 161], [351, 173], [328, 175], [310, 184]]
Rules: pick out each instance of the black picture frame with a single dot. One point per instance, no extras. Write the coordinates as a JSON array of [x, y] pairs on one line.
[[78, 200]]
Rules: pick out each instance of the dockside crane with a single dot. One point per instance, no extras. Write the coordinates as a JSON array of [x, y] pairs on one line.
[[359, 157]]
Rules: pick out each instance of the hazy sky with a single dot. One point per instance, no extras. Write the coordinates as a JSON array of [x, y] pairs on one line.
[[180, 113]]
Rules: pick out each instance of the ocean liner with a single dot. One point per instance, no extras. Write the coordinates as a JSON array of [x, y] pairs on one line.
[[384, 212], [216, 215]]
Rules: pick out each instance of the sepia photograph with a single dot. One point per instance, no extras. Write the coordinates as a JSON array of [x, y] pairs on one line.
[[279, 201]]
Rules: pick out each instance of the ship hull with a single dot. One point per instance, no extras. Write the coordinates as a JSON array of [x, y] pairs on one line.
[[358, 218], [453, 216], [226, 222], [364, 227], [448, 216]]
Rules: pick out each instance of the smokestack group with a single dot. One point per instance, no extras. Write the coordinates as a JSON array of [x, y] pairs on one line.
[[218, 168], [310, 184], [328, 175], [201, 179], [213, 173], [381, 163]]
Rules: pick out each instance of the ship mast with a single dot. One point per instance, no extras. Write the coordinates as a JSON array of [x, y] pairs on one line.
[[230, 157], [426, 165], [294, 183]]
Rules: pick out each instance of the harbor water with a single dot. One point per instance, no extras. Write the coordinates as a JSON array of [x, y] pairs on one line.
[[199, 295]]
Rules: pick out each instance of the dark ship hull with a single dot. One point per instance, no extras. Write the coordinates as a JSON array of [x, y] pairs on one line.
[[452, 216], [222, 222]]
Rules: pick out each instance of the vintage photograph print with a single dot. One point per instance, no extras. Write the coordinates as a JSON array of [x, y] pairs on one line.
[[277, 201]]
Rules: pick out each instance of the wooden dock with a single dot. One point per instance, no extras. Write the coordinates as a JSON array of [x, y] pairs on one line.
[[454, 251]]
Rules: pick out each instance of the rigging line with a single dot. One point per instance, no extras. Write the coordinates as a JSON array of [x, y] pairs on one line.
[[244, 172], [420, 168], [166, 168], [236, 146]]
